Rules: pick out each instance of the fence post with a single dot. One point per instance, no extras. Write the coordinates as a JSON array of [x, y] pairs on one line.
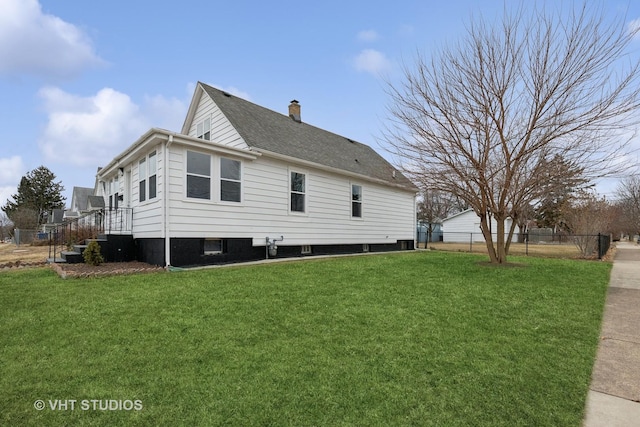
[[470, 242]]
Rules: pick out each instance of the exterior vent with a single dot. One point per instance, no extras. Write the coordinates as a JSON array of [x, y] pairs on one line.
[[294, 111]]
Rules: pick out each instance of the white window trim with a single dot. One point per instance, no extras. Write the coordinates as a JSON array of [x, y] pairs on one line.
[[211, 177], [202, 123], [361, 217], [215, 179], [218, 161], [147, 184], [306, 192], [206, 252]]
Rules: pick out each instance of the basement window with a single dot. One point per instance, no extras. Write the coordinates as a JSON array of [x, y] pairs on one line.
[[365, 247], [306, 249], [212, 246]]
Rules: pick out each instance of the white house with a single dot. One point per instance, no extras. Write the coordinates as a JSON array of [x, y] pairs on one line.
[[240, 176], [464, 227]]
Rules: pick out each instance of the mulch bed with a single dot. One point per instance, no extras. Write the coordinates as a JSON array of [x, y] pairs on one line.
[[21, 264], [107, 269]]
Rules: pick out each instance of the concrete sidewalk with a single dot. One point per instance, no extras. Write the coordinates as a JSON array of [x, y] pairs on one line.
[[614, 395]]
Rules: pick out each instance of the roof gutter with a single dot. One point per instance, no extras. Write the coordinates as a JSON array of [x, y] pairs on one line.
[[155, 135]]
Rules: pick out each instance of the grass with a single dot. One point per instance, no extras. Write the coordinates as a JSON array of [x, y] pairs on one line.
[[426, 338], [547, 250]]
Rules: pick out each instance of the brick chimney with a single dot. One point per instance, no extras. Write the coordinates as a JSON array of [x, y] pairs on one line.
[[294, 111]]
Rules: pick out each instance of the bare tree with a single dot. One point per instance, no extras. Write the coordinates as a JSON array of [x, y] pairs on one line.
[[434, 206], [5, 225], [628, 195], [485, 118], [587, 217]]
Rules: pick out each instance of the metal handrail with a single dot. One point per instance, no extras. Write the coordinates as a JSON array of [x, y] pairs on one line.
[[90, 225]]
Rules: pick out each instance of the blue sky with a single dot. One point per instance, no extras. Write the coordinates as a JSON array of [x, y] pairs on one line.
[[80, 81]]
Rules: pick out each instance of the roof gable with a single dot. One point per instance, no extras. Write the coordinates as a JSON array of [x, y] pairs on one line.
[[79, 198], [267, 130]]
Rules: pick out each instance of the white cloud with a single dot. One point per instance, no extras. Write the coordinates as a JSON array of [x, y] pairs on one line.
[[165, 113], [90, 131], [33, 42], [85, 131], [368, 36], [372, 61], [11, 170]]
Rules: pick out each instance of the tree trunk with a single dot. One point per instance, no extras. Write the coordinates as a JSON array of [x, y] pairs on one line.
[[500, 244], [510, 237], [485, 227]]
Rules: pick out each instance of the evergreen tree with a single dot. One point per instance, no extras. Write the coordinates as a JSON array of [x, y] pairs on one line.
[[37, 192]]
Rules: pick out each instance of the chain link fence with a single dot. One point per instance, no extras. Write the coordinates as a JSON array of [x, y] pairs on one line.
[[542, 244], [30, 237]]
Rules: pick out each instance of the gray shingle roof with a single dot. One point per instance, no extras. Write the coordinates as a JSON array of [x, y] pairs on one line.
[[81, 194], [268, 130], [95, 202]]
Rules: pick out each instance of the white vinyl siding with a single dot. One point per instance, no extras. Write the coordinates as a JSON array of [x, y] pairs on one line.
[[222, 131], [265, 208]]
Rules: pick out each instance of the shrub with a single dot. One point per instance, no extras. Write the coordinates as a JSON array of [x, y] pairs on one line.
[[92, 255]]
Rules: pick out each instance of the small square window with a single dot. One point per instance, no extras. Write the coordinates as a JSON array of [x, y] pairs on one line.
[[212, 246], [306, 249]]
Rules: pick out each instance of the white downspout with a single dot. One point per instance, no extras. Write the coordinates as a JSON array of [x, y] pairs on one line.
[[166, 219]]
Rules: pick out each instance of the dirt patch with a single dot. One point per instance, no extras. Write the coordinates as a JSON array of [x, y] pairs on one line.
[[107, 269], [10, 253]]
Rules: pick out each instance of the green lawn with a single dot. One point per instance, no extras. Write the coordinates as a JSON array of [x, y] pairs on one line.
[[425, 338]]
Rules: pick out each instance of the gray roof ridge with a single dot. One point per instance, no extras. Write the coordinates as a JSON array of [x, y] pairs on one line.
[[266, 129]]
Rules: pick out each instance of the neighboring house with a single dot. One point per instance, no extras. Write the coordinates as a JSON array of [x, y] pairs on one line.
[[239, 176], [79, 201], [431, 231], [464, 227]]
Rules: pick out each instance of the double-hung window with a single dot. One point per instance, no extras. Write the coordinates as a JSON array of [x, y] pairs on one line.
[[147, 178], [198, 175], [356, 201], [153, 166], [113, 193], [142, 180], [298, 192], [203, 129], [230, 180]]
